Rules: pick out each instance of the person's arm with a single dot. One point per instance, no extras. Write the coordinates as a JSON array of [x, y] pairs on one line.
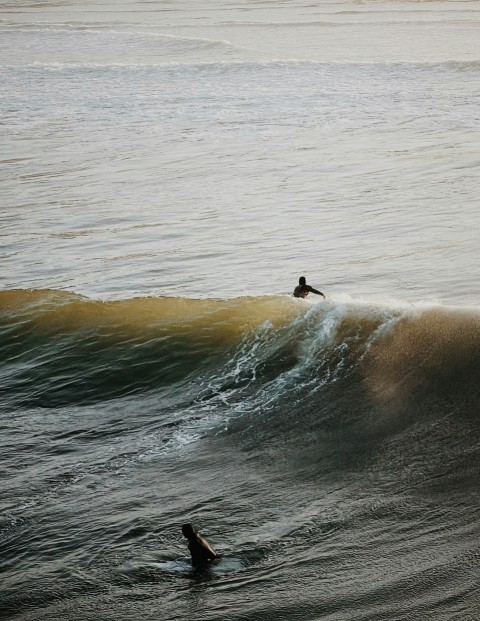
[[208, 548], [312, 290]]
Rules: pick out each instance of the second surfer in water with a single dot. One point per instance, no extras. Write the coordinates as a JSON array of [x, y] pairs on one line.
[[201, 551], [302, 289]]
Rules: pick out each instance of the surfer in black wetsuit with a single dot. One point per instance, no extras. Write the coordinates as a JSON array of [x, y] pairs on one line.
[[201, 551], [302, 289]]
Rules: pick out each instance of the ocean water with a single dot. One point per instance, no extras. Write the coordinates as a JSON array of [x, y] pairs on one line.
[[168, 171]]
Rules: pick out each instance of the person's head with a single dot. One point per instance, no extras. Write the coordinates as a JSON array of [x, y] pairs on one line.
[[302, 280], [188, 531]]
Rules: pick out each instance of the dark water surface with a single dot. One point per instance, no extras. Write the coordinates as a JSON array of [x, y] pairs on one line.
[[330, 452]]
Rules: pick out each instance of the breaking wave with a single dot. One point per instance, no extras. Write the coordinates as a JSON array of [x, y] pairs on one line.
[[59, 348]]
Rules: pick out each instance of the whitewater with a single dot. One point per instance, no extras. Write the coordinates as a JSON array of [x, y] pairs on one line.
[[168, 171]]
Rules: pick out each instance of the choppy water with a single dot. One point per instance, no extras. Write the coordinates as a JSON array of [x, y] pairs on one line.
[[168, 171]]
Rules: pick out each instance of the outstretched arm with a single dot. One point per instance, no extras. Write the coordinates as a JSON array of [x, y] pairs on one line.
[[312, 290]]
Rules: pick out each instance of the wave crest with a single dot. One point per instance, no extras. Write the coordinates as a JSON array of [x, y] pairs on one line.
[[270, 353]]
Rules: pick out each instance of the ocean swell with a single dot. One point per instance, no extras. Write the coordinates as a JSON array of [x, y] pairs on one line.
[[341, 423], [59, 348]]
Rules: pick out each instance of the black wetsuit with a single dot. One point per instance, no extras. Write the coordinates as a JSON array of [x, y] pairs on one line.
[[301, 291]]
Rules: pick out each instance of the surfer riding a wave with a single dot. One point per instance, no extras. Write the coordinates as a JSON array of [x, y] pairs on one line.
[[302, 289]]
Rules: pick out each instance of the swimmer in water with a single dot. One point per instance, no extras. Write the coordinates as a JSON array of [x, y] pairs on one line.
[[201, 551], [302, 289]]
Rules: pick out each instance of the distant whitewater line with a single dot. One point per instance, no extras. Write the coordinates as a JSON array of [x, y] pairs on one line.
[[462, 65], [49, 28]]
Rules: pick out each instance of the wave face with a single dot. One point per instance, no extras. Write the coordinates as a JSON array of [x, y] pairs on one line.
[[66, 349], [333, 443], [60, 348]]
